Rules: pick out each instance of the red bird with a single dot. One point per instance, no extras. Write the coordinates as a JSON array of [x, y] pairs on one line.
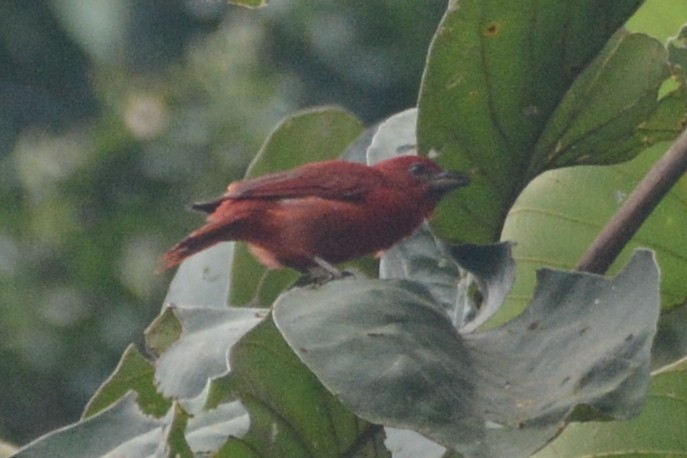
[[322, 213]]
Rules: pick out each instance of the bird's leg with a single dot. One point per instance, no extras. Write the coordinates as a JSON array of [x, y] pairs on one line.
[[330, 269], [321, 273]]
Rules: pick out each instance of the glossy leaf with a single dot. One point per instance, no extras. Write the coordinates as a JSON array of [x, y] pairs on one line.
[[390, 354], [292, 414], [393, 356], [515, 88]]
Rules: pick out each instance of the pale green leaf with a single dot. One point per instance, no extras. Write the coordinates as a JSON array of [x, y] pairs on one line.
[[658, 432]]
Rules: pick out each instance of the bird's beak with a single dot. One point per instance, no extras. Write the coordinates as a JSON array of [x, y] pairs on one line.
[[447, 181]]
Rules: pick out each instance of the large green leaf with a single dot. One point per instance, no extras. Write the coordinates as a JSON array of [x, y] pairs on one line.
[[658, 432], [389, 352], [573, 204], [393, 356], [312, 135], [513, 88], [292, 414], [596, 121]]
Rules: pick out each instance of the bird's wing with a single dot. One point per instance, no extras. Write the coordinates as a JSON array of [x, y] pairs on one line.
[[332, 180], [335, 180]]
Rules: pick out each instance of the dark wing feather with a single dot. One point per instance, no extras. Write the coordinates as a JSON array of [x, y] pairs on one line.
[[333, 180], [208, 207]]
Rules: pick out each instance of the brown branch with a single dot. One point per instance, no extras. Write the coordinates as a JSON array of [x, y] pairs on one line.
[[636, 209]]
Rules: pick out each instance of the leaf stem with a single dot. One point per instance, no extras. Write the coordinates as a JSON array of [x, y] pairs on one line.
[[636, 209]]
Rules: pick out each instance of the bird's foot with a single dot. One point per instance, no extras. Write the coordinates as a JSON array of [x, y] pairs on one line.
[[323, 272]]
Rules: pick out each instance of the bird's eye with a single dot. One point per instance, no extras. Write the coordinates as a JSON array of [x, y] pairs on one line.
[[418, 170]]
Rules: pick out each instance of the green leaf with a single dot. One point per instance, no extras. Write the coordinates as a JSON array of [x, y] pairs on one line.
[[573, 205], [596, 121], [418, 258], [677, 48], [584, 339], [134, 372], [162, 332], [670, 343], [393, 356], [659, 430], [389, 353], [291, 413], [658, 18], [185, 368], [249, 3], [312, 135], [120, 430], [173, 441], [469, 298], [497, 73]]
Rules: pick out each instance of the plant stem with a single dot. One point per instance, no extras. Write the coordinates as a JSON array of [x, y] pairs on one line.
[[636, 209]]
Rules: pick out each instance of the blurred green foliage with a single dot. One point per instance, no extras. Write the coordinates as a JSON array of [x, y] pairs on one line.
[[115, 115]]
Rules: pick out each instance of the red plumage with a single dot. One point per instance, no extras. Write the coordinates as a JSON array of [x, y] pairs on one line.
[[330, 211]]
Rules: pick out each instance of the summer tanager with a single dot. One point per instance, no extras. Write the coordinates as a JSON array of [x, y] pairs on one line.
[[322, 213]]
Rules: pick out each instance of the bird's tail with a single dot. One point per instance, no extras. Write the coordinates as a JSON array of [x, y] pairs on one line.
[[199, 240]]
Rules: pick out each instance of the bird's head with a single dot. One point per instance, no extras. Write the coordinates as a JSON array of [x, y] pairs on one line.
[[422, 174]]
